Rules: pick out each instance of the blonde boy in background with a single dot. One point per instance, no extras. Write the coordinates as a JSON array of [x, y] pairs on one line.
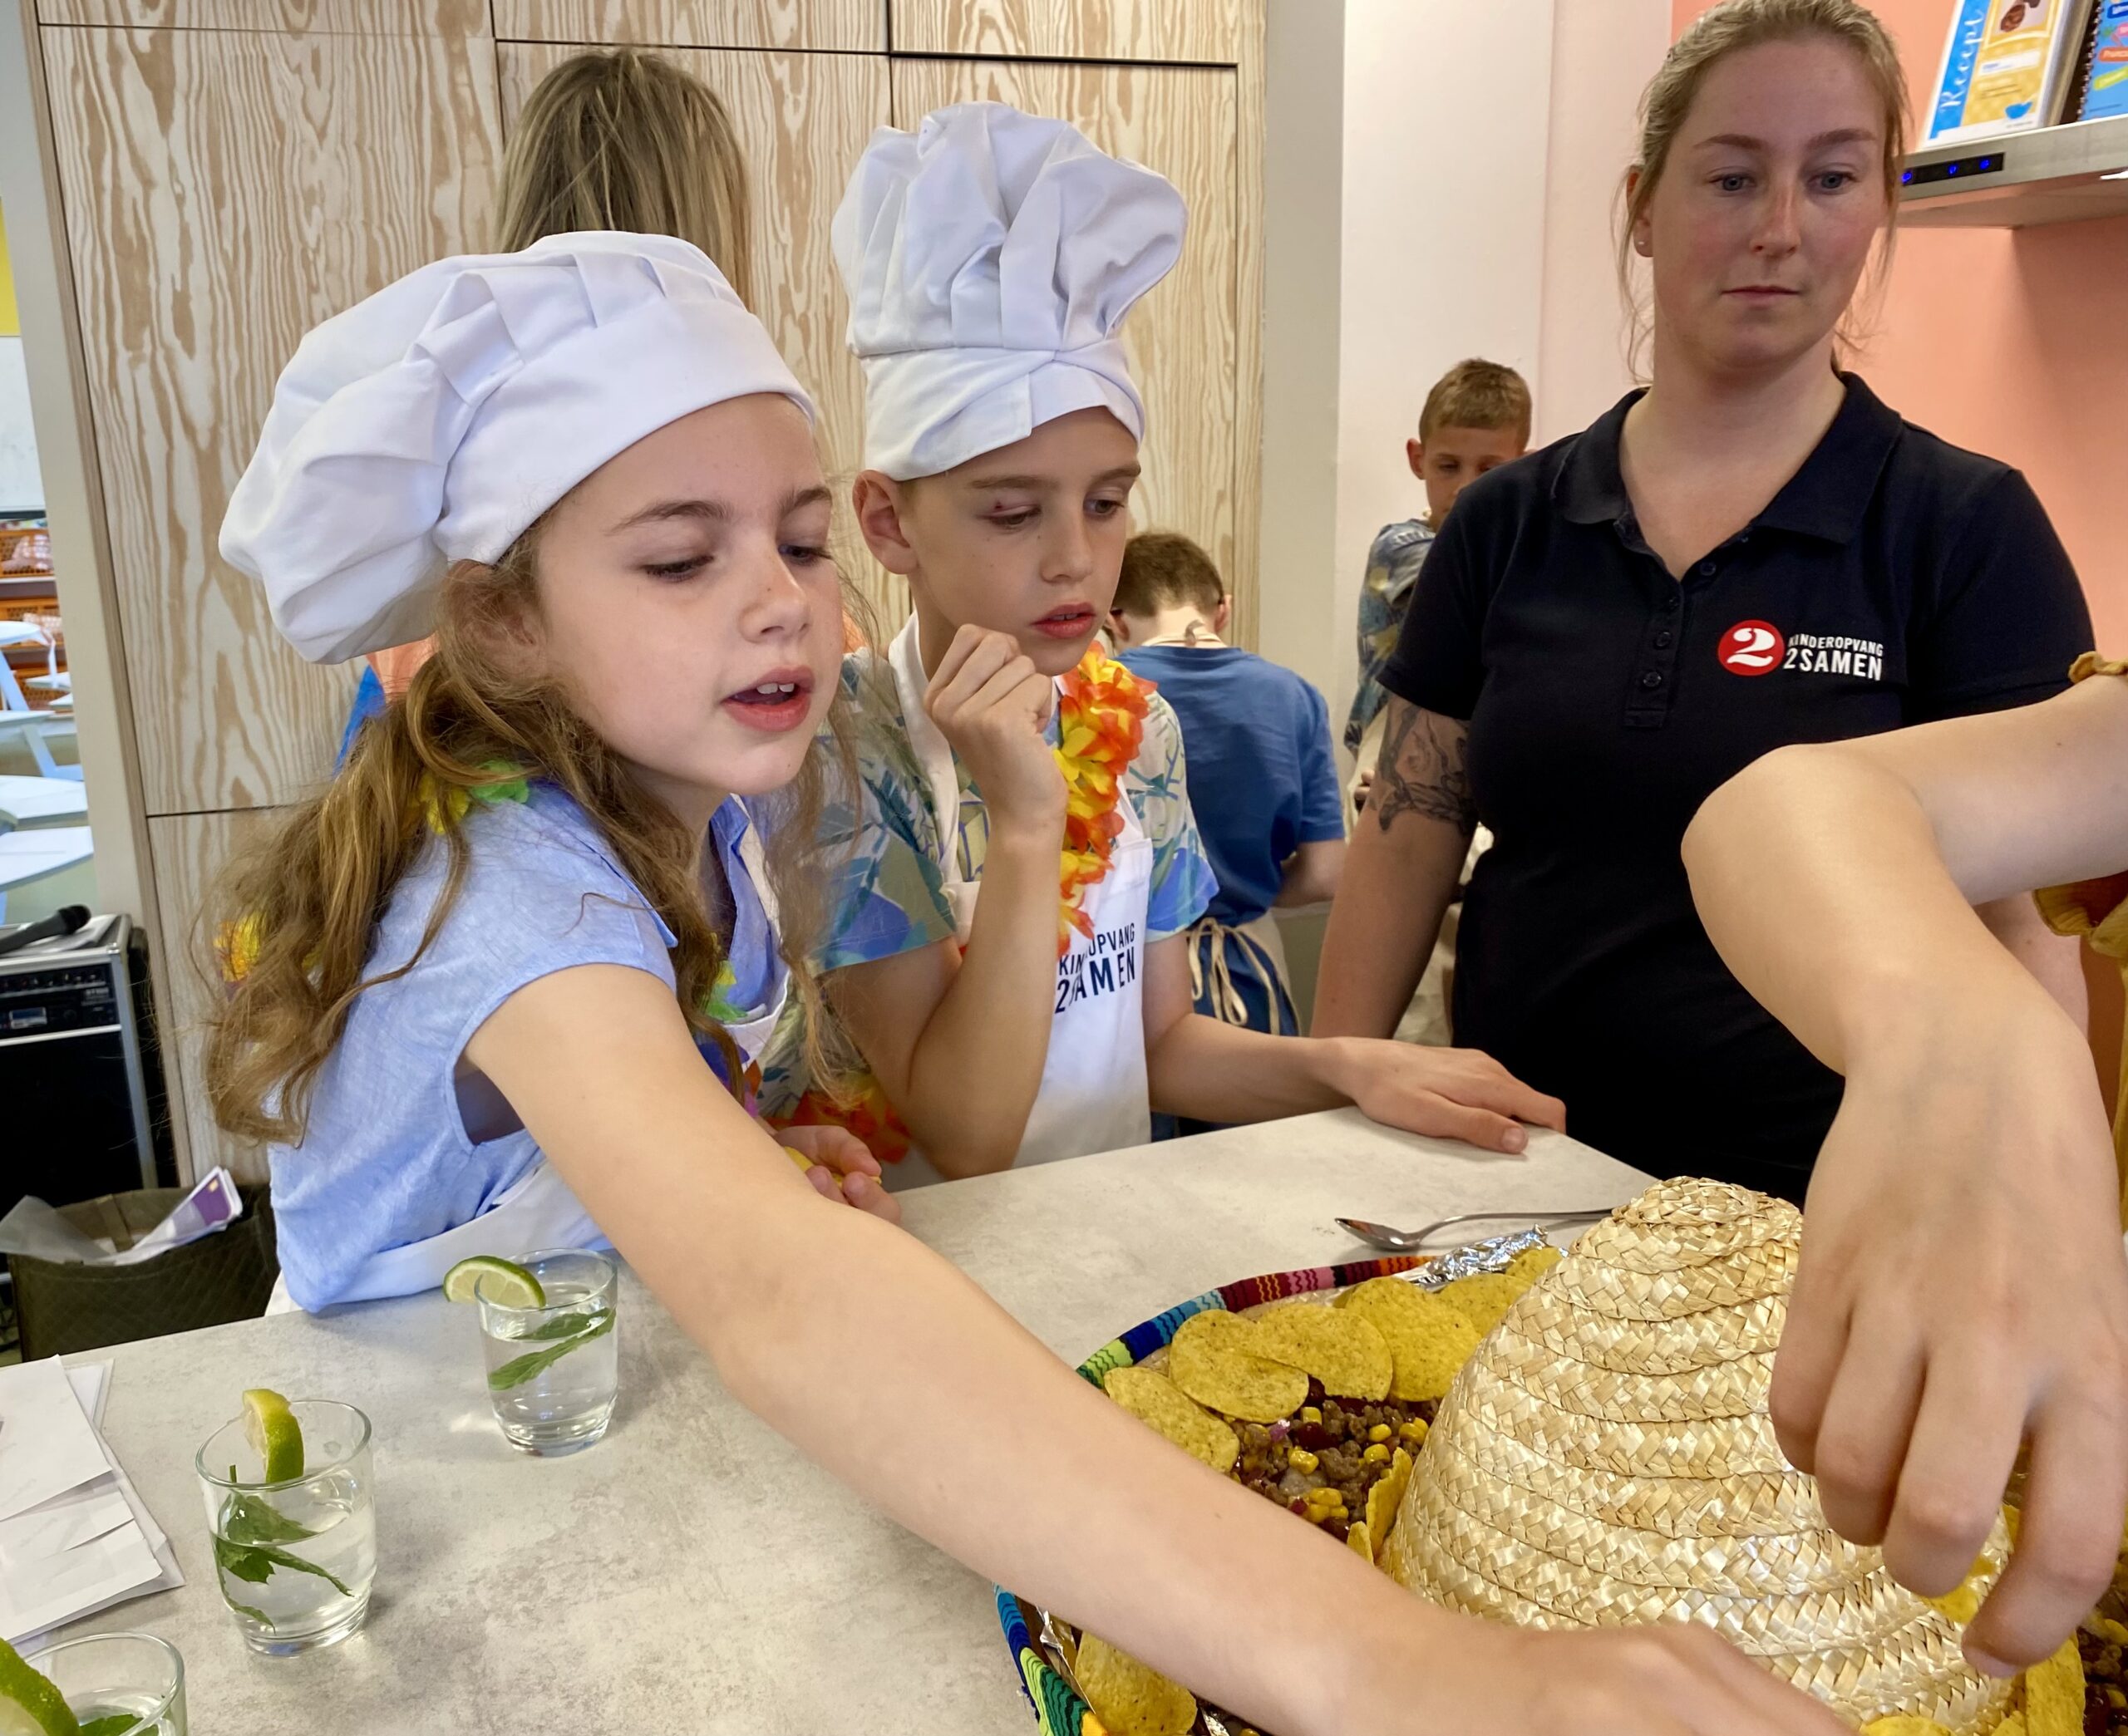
[[1476, 418]]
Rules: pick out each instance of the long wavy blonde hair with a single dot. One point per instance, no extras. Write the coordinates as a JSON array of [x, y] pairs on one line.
[[624, 139], [1717, 33], [292, 923]]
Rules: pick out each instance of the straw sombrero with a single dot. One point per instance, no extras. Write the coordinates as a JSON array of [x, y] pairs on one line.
[[1607, 1458]]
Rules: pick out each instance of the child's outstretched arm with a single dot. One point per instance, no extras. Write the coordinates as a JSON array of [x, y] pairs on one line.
[[933, 1024], [1208, 1071], [891, 1369], [1962, 1297]]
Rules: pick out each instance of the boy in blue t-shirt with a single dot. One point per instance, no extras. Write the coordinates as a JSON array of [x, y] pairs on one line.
[[1263, 780]]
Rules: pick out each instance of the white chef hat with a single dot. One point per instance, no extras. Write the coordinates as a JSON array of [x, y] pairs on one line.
[[990, 258], [436, 420]]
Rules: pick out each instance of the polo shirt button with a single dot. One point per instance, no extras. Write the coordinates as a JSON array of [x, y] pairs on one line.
[[1662, 641], [1651, 681], [1670, 602], [1706, 567]]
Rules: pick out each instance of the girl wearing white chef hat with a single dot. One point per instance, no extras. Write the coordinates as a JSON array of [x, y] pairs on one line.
[[990, 257], [474, 978], [587, 467]]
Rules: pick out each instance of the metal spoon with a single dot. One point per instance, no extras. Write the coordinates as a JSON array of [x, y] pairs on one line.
[[1409, 1241]]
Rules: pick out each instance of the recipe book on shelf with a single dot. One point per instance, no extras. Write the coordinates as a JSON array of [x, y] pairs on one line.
[[2009, 67], [74, 1535], [2106, 84]]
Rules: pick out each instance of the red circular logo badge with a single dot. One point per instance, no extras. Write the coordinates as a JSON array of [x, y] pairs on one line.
[[1753, 647]]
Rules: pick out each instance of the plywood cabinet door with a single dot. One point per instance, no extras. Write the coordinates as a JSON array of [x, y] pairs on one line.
[[858, 26], [191, 851], [225, 190], [1121, 30], [1183, 336], [371, 18]]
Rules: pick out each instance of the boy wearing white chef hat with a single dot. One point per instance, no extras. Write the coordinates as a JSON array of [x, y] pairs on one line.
[[586, 466], [990, 257]]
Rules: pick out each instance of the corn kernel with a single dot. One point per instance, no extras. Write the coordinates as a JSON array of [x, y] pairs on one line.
[[2113, 1631], [1380, 1432], [1377, 1454], [2116, 1699], [1311, 1413], [1301, 1460], [1414, 1431]]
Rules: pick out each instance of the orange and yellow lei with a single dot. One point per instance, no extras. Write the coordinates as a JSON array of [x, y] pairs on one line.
[[1101, 721]]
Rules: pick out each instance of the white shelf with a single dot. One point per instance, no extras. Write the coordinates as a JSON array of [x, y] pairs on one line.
[[2053, 174]]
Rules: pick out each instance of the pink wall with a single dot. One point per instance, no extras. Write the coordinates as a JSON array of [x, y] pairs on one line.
[[2050, 394]]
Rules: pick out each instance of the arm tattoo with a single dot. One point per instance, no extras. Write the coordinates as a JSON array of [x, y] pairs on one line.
[[1424, 769]]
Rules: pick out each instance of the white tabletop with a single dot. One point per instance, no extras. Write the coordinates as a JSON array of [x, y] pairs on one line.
[[31, 855], [42, 801], [693, 1573]]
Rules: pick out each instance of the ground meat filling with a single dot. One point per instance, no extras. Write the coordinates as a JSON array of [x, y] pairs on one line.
[[1321, 1463]]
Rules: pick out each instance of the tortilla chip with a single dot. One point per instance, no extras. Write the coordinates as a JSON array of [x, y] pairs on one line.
[[1346, 1352], [1208, 1360], [1129, 1698], [1158, 1403], [1484, 1298], [1360, 1539], [1903, 1724], [1429, 1336], [2054, 1694], [1386, 1496], [1532, 1263], [2013, 1724]]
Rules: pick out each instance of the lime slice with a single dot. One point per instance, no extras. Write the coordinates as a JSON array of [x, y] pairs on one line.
[[30, 1705], [503, 1283], [274, 1434]]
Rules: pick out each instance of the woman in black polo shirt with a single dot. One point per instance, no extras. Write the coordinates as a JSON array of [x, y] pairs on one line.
[[1754, 552]]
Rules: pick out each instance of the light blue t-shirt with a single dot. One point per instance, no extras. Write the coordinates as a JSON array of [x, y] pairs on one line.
[[388, 1159]]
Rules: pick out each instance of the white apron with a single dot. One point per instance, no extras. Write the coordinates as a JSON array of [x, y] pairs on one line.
[[537, 1210], [1094, 1096]]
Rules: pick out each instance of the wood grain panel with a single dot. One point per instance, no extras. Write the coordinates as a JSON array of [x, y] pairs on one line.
[[225, 192], [1180, 122], [1243, 628], [1117, 29], [372, 18], [190, 850], [859, 25], [803, 119]]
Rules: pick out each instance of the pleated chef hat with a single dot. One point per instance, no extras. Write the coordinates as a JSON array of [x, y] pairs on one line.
[[990, 258], [436, 420]]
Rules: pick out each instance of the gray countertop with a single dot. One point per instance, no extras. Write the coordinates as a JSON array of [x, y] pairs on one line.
[[693, 1573]]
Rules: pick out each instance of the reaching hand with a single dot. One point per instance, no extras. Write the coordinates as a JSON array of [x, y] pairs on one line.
[[841, 1168], [993, 705], [1670, 1678], [1450, 1093], [1962, 1294]]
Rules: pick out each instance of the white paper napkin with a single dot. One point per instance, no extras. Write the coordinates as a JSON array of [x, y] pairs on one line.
[[91, 1544]]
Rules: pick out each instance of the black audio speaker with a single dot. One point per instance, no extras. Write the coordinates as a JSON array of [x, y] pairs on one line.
[[83, 1110]]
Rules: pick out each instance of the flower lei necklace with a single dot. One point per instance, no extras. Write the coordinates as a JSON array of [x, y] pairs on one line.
[[1101, 721]]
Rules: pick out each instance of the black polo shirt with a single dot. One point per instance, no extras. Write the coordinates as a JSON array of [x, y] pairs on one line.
[[1895, 579]]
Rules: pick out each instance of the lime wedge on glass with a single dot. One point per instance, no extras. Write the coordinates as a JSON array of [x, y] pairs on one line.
[[503, 1283], [30, 1705], [274, 1434]]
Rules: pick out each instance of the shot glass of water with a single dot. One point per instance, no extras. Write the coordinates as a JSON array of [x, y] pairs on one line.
[[118, 1684], [552, 1370], [295, 1559]]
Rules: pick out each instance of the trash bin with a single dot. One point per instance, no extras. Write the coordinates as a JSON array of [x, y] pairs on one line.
[[62, 1307]]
